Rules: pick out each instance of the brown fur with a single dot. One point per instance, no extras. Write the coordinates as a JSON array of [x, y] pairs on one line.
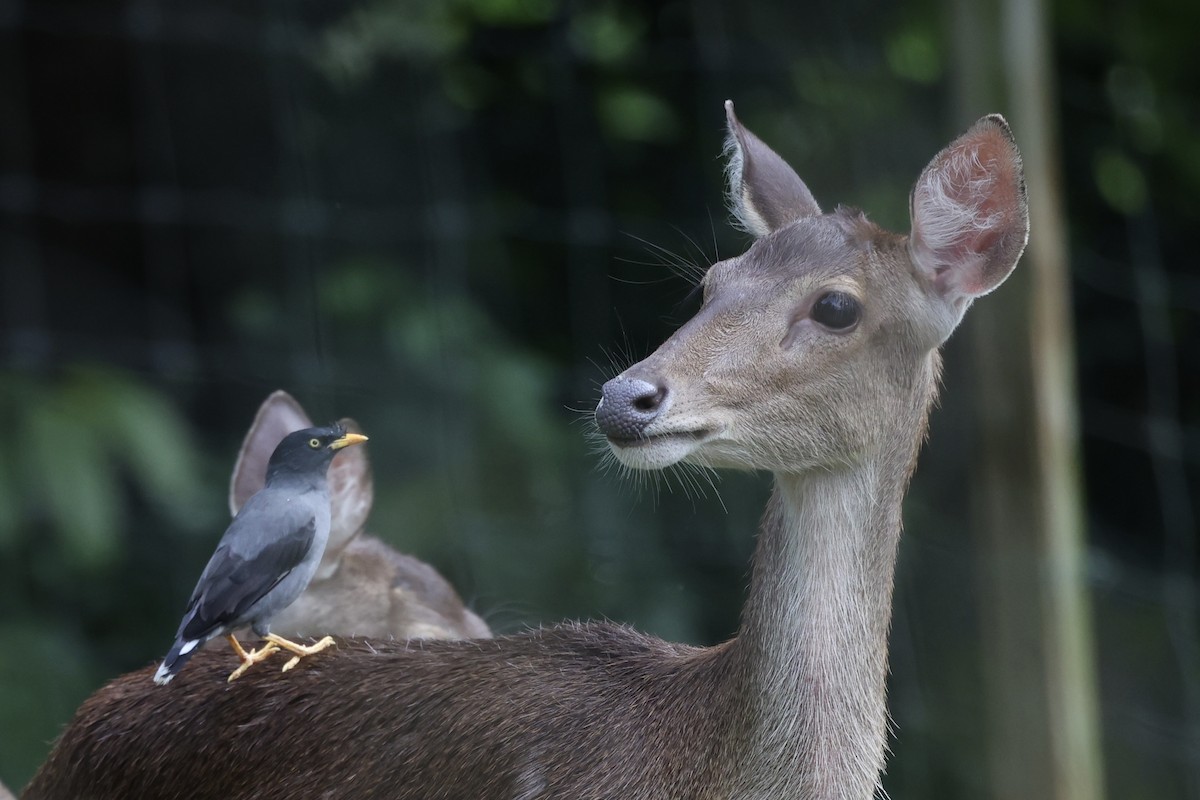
[[333, 727]]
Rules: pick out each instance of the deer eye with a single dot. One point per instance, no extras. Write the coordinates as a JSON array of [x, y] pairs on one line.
[[314, 443], [838, 311]]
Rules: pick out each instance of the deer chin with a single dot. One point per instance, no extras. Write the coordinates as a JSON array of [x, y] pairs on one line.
[[659, 450]]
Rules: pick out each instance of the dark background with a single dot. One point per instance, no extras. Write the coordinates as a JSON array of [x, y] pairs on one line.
[[452, 220]]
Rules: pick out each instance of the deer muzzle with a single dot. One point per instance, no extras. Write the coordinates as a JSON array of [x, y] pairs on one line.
[[628, 407]]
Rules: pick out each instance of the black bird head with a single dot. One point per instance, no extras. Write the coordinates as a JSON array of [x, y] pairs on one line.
[[307, 453]]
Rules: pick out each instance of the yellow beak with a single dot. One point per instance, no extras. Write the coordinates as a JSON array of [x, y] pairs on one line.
[[347, 440]]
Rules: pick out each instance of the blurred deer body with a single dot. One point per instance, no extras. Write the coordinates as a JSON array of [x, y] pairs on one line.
[[814, 356], [379, 593], [363, 587]]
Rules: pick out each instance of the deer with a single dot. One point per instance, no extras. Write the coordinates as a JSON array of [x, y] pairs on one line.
[[814, 356], [362, 587]]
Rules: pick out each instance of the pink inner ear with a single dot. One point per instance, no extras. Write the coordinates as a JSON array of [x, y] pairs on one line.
[[352, 490], [969, 212]]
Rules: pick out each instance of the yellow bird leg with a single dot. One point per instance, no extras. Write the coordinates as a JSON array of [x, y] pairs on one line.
[[248, 659], [298, 651]]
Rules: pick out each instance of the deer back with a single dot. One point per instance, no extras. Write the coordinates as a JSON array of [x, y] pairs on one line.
[[577, 711]]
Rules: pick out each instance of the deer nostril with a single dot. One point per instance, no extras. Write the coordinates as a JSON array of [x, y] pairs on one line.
[[650, 402], [629, 405]]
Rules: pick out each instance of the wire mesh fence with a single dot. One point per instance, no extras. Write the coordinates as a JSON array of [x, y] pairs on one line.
[[452, 221]]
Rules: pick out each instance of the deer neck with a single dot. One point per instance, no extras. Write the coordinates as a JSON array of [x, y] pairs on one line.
[[813, 643]]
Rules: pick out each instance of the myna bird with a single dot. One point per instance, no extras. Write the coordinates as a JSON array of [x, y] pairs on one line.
[[267, 556]]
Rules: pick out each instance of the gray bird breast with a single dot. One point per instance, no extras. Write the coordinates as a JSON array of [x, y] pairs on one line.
[[312, 505]]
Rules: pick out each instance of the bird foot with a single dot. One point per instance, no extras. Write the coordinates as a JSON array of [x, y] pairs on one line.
[[252, 658], [298, 651]]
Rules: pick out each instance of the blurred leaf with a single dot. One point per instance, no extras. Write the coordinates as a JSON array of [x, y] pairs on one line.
[[513, 12], [913, 54], [606, 34], [1133, 97], [254, 313], [412, 30], [423, 335], [76, 434], [43, 676], [74, 481], [142, 429], [637, 115], [818, 81], [518, 389], [356, 289], [468, 85], [417, 31], [9, 510], [1120, 181]]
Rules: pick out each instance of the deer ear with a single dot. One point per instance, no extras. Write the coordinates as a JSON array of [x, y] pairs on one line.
[[278, 416], [352, 490], [764, 192], [970, 220]]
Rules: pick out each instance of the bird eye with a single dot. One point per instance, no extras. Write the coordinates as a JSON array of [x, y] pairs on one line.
[[314, 443], [838, 311]]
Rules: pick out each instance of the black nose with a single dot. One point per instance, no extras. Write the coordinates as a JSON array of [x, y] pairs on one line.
[[628, 406]]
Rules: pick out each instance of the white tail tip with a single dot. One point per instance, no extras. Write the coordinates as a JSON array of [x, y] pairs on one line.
[[162, 677]]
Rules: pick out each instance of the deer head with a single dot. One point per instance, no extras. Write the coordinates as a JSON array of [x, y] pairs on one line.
[[814, 336]]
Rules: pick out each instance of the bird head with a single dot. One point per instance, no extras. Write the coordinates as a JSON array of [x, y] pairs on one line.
[[308, 452], [350, 481]]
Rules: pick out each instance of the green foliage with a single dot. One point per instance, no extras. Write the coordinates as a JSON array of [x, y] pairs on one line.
[[78, 437], [1120, 181], [607, 34], [71, 478], [511, 12], [913, 53], [45, 679], [421, 32], [1134, 100], [10, 511], [637, 115]]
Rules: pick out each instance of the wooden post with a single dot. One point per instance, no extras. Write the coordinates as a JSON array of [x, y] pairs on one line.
[[1042, 720]]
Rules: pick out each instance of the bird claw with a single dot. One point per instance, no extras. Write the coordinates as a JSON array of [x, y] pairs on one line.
[[252, 658], [299, 651]]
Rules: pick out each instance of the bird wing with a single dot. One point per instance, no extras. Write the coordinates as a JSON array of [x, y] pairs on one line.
[[238, 576]]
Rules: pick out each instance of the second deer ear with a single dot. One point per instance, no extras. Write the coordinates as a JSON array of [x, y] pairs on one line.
[[970, 220], [765, 194], [352, 490], [278, 416]]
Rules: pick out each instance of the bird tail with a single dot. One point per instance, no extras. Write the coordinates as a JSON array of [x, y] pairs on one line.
[[177, 656]]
